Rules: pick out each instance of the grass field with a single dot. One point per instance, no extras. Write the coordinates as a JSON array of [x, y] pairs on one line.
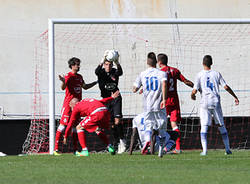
[[188, 167]]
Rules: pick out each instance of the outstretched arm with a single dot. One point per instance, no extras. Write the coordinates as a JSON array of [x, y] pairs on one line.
[[230, 91], [87, 86], [189, 83], [132, 140]]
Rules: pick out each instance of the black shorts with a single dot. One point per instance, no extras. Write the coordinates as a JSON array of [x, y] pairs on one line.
[[115, 108]]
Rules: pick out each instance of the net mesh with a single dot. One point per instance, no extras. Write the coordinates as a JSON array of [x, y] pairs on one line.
[[185, 46]]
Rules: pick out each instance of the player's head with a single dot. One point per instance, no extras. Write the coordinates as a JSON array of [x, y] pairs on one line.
[[73, 102], [152, 56], [162, 59], [107, 65], [207, 61], [74, 63], [151, 62]]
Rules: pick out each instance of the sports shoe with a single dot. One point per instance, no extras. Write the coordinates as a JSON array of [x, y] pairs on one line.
[[122, 146], [144, 150], [228, 152], [76, 153], [111, 149], [203, 153], [160, 153], [83, 153], [56, 153], [2, 154], [175, 151]]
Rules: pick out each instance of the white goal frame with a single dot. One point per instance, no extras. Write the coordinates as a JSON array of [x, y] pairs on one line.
[[51, 42]]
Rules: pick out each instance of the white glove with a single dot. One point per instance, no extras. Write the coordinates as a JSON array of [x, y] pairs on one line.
[[104, 56], [116, 61]]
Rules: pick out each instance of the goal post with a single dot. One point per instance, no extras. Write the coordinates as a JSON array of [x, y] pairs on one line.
[[51, 46]]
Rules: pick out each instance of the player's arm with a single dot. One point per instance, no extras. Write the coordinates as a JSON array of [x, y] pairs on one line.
[[63, 85], [132, 140], [87, 86], [193, 94], [164, 94], [185, 81], [108, 99], [230, 91], [73, 118], [137, 84]]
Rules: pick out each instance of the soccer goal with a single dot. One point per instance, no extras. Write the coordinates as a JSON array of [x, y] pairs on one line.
[[185, 41]]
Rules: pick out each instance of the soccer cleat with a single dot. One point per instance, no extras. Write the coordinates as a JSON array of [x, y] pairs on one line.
[[2, 154], [175, 151], [144, 150], [111, 149], [228, 152], [83, 153], [203, 153], [121, 146], [76, 153], [56, 153], [160, 153]]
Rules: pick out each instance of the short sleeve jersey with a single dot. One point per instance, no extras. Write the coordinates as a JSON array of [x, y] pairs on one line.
[[208, 81], [172, 75], [73, 86], [151, 81]]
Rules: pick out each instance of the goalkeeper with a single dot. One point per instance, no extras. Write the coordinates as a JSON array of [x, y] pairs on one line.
[[108, 79]]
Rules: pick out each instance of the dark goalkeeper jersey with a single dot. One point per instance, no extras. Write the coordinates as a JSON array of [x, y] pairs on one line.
[[108, 82]]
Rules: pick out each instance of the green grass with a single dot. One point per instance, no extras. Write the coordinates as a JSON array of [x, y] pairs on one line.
[[188, 167]]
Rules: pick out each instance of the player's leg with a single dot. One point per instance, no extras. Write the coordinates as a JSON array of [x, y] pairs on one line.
[[75, 139], [81, 137], [132, 140], [117, 110], [175, 116], [205, 120], [161, 121], [59, 131], [65, 115], [218, 117], [170, 142]]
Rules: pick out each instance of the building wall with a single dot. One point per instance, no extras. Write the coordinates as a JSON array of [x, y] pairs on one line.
[[22, 22]]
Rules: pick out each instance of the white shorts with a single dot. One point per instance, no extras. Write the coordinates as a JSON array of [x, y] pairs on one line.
[[206, 116], [156, 120]]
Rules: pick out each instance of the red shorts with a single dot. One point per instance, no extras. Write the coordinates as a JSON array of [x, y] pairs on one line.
[[97, 120], [173, 109], [65, 114]]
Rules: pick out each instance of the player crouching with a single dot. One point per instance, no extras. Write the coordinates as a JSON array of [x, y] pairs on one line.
[[96, 119]]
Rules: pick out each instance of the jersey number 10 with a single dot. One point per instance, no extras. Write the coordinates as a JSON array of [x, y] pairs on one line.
[[151, 83]]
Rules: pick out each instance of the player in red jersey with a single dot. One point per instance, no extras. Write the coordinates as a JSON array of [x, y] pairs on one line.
[[72, 83], [96, 119], [172, 102]]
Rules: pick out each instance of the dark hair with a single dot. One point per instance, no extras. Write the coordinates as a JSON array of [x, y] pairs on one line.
[[163, 58], [151, 62], [152, 56], [207, 60], [72, 61]]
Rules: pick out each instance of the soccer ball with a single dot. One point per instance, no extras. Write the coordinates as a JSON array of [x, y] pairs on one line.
[[112, 56]]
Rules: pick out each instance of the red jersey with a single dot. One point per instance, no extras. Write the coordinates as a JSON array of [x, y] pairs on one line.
[[86, 107], [173, 74], [73, 86]]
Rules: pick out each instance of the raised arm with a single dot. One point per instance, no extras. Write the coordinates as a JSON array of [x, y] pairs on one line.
[[230, 91], [63, 85]]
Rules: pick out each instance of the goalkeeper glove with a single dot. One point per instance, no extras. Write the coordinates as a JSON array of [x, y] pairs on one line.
[[116, 61], [104, 56]]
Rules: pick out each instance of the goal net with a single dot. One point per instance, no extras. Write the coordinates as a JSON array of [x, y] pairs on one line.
[[185, 45]]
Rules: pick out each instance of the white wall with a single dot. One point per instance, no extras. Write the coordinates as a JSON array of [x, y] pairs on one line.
[[22, 22]]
